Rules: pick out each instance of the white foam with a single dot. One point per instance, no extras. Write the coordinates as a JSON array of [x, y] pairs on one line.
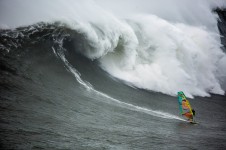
[[169, 58], [164, 46]]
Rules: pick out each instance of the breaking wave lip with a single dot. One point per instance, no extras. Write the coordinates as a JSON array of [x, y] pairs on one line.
[[148, 50], [165, 60], [59, 51]]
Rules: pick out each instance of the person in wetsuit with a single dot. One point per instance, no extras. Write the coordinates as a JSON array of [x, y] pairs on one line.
[[193, 111]]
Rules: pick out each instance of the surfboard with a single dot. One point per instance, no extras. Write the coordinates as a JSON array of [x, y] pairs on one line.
[[193, 122]]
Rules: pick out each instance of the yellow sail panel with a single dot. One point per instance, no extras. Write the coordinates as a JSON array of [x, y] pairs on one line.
[[186, 108], [189, 106]]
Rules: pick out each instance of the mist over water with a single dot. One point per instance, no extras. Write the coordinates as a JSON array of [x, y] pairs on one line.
[[159, 46]]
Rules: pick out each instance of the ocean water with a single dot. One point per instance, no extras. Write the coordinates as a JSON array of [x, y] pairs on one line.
[[100, 74]]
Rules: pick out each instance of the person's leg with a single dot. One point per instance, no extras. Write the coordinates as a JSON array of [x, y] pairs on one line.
[[189, 116]]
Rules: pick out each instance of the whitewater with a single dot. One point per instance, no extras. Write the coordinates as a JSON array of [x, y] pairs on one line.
[[163, 51]]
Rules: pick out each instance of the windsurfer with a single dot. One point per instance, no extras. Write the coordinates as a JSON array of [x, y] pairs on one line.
[[185, 107]]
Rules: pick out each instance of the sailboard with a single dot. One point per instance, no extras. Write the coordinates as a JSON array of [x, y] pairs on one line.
[[185, 107]]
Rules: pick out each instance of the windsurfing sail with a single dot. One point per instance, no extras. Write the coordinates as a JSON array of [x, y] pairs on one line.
[[185, 107]]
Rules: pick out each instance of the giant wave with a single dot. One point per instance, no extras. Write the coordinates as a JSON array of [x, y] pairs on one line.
[[147, 49]]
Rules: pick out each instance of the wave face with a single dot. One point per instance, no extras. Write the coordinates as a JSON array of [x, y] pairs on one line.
[[163, 51]]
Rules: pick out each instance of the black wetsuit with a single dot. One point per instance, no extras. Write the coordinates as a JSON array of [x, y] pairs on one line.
[[193, 111]]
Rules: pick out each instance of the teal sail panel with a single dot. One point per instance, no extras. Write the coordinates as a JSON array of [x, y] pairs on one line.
[[181, 97]]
